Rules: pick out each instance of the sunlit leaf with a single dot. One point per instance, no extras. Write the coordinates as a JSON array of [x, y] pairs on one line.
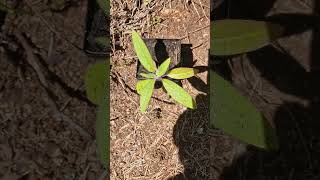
[[94, 79], [143, 53], [148, 75], [236, 115], [105, 6], [163, 68], [145, 89], [182, 73], [233, 36], [141, 84], [178, 93]]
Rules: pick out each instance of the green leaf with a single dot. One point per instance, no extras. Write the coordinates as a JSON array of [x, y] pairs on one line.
[[97, 88], [105, 6], [163, 68], [145, 89], [182, 73], [233, 36], [143, 53], [148, 75], [178, 94], [102, 124], [141, 85], [94, 79], [236, 115], [103, 41]]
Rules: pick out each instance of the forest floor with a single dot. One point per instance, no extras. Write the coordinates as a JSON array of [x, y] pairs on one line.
[[47, 125], [169, 141]]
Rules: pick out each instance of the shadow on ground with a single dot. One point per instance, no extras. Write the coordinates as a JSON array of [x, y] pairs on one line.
[[296, 119], [190, 132], [190, 136]]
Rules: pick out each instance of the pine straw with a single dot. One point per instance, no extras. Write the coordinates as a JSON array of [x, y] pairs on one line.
[[130, 15], [146, 146], [168, 141], [143, 147]]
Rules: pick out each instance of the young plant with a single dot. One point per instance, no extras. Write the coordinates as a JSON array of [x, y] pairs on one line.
[[162, 73]]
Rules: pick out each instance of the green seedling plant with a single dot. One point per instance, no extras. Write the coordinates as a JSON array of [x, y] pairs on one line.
[[161, 73]]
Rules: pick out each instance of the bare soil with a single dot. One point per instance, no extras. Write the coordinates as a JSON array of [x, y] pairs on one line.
[[46, 122], [169, 141]]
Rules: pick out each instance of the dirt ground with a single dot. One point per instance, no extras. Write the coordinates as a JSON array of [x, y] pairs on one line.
[[46, 122], [169, 141]]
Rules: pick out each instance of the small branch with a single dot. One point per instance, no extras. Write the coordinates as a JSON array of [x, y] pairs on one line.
[[32, 60], [195, 9], [52, 29]]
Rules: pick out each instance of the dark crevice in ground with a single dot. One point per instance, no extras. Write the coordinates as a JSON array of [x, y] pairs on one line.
[[2, 19], [14, 53], [74, 93]]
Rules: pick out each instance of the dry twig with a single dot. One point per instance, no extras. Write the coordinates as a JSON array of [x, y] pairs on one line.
[[32, 60]]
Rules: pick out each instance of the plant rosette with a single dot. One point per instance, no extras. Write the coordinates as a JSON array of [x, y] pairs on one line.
[[161, 73]]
